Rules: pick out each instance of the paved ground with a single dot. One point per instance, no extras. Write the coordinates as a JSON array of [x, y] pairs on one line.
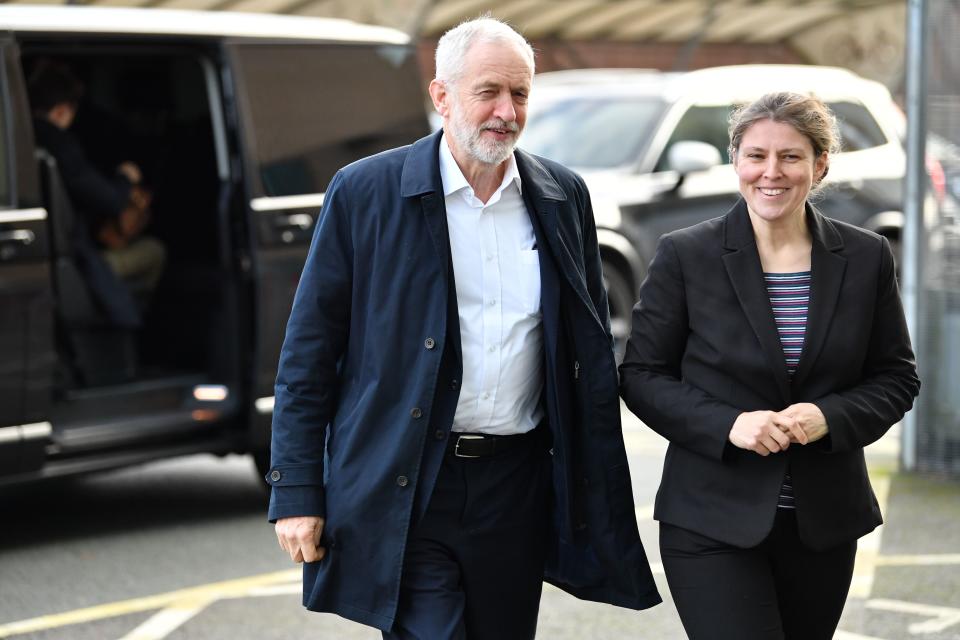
[[179, 550]]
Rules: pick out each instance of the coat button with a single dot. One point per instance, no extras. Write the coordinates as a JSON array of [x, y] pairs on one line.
[[402, 481], [415, 412], [439, 434], [454, 384], [275, 475], [429, 343]]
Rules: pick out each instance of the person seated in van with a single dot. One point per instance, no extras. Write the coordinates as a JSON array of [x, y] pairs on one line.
[[115, 208]]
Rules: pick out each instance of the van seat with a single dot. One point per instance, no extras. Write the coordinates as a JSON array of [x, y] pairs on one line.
[[99, 352]]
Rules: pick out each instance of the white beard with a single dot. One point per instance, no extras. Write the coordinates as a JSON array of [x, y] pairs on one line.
[[475, 145]]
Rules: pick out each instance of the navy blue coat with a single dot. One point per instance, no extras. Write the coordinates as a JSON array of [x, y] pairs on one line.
[[368, 380]]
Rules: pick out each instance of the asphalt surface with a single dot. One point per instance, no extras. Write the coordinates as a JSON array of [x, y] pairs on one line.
[[180, 550]]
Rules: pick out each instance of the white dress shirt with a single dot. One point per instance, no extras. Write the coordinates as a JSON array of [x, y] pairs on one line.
[[496, 268]]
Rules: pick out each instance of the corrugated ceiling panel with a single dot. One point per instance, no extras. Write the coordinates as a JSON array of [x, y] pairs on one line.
[[653, 21], [604, 19], [551, 21]]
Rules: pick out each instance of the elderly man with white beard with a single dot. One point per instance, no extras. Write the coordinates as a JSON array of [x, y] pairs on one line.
[[446, 432]]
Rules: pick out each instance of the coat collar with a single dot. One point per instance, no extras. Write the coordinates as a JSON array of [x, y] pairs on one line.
[[746, 276], [534, 174], [420, 177], [421, 168], [421, 171], [544, 195]]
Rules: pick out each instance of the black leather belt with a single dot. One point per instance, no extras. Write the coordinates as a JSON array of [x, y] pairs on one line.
[[481, 445]]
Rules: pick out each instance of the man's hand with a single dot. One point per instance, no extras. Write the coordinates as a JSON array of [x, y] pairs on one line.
[[300, 537], [810, 418], [765, 432]]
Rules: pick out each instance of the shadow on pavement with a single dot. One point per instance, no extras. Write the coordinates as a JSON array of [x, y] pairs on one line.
[[149, 497]]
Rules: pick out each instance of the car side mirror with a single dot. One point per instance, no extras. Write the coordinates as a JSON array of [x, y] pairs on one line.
[[688, 156]]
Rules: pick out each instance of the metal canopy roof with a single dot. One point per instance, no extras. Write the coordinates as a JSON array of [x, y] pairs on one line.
[[746, 21], [864, 35], [760, 21]]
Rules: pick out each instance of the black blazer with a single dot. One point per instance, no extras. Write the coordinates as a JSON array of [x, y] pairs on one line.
[[704, 348]]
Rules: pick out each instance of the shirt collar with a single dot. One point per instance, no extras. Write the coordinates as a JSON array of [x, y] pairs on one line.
[[454, 180]]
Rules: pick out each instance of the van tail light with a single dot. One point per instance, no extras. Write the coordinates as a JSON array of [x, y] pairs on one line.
[[938, 179]]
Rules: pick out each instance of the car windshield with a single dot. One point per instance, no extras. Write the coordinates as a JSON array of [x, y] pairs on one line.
[[592, 133]]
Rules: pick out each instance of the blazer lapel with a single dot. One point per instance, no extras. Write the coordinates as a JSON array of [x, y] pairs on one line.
[[746, 275], [827, 269]]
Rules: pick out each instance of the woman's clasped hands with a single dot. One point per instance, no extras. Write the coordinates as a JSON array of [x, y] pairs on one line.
[[767, 432]]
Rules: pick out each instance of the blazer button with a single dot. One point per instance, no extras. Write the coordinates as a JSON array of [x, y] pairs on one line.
[[439, 434], [402, 481], [454, 384], [275, 475], [415, 412], [429, 343]]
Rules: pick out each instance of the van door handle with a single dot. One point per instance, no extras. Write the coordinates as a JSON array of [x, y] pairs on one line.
[[302, 220], [23, 236]]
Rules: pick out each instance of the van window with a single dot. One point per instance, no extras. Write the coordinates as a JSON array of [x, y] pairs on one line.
[[313, 109]]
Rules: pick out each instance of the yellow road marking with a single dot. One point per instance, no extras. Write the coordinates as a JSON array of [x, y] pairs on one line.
[[215, 590]]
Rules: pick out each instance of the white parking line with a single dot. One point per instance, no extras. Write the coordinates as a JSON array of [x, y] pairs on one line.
[[930, 559], [868, 547], [940, 617], [847, 635], [168, 620]]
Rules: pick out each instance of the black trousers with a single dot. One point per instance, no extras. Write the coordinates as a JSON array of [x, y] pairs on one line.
[[473, 568], [778, 590]]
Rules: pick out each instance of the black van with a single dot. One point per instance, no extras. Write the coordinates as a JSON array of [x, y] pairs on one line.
[[238, 123]]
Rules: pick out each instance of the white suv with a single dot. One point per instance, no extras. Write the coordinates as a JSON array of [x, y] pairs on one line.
[[652, 147]]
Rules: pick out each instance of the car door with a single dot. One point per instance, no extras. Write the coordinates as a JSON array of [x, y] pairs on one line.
[[27, 356], [334, 111]]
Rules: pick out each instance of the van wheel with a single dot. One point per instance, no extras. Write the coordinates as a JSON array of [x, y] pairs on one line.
[[620, 299]]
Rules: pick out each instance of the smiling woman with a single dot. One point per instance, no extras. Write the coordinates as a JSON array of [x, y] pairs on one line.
[[769, 347], [777, 169]]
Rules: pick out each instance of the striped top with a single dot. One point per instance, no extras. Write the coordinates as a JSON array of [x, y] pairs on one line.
[[790, 299]]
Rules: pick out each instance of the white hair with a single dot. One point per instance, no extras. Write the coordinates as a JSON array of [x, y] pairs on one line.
[[453, 46]]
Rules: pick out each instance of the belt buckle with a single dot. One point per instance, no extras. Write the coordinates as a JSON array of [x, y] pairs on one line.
[[456, 448]]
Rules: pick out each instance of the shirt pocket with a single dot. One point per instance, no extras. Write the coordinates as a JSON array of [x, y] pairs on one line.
[[529, 279]]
